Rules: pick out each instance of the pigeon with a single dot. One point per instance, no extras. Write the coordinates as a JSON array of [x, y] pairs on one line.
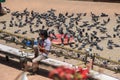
[[66, 14], [84, 14], [104, 15], [116, 45], [99, 48], [109, 44], [4, 27], [114, 35], [116, 14], [7, 10], [109, 36], [17, 31], [62, 40], [3, 22], [78, 55], [24, 32], [71, 45], [43, 27]]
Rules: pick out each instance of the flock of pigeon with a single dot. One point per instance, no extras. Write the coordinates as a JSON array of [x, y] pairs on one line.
[[88, 32]]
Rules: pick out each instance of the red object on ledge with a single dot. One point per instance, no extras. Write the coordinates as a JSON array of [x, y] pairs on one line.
[[64, 73]]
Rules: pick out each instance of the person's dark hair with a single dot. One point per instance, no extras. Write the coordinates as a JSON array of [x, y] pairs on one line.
[[44, 33]]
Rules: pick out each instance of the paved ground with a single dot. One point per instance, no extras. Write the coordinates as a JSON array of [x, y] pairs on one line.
[[70, 6], [60, 6], [10, 70]]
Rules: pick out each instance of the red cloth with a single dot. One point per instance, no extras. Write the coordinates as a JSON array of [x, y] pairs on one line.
[[58, 40]]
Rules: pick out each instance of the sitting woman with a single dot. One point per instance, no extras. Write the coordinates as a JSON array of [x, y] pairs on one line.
[[42, 49]]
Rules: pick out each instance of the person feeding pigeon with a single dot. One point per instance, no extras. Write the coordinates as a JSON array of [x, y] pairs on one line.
[[42, 49]]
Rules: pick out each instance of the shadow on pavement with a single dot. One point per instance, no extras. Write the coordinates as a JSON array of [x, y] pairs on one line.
[[15, 64]]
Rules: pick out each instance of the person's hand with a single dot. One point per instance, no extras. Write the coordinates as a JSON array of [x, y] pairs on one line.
[[41, 49]]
